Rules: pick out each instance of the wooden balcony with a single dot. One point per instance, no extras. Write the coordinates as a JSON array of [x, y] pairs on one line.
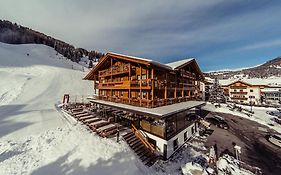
[[115, 71], [114, 85], [239, 98], [135, 101], [187, 74], [238, 87], [144, 84], [242, 93]]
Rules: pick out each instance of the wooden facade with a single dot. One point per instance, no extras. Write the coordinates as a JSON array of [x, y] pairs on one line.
[[145, 83]]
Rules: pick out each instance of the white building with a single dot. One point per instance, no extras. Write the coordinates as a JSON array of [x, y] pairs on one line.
[[272, 95], [243, 92]]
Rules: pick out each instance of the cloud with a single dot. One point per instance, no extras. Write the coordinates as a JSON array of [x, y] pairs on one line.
[[163, 30], [261, 45]]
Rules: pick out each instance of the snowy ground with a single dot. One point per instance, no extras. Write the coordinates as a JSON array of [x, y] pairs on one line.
[[259, 115], [37, 139], [34, 136]]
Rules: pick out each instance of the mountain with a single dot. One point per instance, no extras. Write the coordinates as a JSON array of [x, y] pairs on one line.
[[12, 33], [268, 69]]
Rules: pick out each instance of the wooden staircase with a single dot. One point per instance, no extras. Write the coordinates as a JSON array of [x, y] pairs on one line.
[[142, 148]]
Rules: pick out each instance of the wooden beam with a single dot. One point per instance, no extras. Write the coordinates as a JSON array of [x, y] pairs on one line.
[[146, 71], [152, 84], [129, 95], [166, 84], [182, 91], [175, 89], [140, 84], [95, 88], [111, 62]]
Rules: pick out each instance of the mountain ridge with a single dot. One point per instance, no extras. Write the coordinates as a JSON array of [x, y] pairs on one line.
[[270, 68]]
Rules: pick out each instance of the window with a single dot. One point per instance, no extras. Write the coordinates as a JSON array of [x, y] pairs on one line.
[[251, 90], [192, 130], [234, 90], [241, 90], [185, 136], [176, 143]]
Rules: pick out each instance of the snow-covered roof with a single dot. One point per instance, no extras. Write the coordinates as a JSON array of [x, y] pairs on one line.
[[176, 64], [253, 81], [161, 111], [271, 90]]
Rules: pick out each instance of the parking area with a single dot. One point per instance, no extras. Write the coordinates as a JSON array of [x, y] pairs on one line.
[[250, 136]]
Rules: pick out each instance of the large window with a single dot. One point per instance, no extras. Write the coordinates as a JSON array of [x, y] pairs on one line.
[[178, 122], [185, 136], [175, 144]]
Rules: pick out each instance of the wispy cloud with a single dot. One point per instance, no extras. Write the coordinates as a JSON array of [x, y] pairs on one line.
[[261, 45], [163, 30]]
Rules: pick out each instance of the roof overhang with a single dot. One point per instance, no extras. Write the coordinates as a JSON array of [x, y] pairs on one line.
[[158, 112]]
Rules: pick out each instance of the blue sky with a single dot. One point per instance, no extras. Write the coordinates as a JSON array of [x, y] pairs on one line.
[[221, 34]]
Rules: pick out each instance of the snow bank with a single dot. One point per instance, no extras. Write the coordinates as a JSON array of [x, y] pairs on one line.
[[71, 150], [34, 137], [259, 116], [229, 165]]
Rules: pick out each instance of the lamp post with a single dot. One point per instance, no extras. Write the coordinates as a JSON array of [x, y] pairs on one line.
[[251, 104]]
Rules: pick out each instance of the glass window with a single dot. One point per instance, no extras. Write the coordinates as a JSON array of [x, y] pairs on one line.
[[251, 90], [180, 121], [176, 143], [170, 126], [185, 136]]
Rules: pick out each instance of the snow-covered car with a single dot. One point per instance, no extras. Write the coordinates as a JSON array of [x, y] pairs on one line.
[[218, 121], [275, 139], [274, 113]]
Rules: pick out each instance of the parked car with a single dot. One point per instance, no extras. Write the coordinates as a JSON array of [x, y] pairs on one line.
[[275, 139], [274, 113], [218, 121]]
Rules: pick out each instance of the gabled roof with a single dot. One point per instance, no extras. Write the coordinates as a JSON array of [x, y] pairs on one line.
[[251, 82], [170, 66], [177, 64]]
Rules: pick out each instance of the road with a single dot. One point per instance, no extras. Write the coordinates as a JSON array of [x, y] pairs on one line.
[[250, 135]]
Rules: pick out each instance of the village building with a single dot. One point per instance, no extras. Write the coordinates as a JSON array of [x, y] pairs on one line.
[[271, 95], [243, 92], [159, 100]]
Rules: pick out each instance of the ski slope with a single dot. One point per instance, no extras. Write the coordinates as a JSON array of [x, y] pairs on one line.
[[34, 137], [37, 139]]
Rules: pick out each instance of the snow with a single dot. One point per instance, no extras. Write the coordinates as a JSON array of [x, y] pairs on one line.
[[34, 137], [227, 164], [253, 81], [259, 116], [176, 64], [233, 69]]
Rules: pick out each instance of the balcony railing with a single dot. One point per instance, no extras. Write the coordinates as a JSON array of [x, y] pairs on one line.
[[115, 70], [238, 98], [244, 93], [187, 74], [143, 102]]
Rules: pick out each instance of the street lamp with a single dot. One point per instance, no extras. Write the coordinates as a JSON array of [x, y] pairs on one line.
[[251, 103]]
